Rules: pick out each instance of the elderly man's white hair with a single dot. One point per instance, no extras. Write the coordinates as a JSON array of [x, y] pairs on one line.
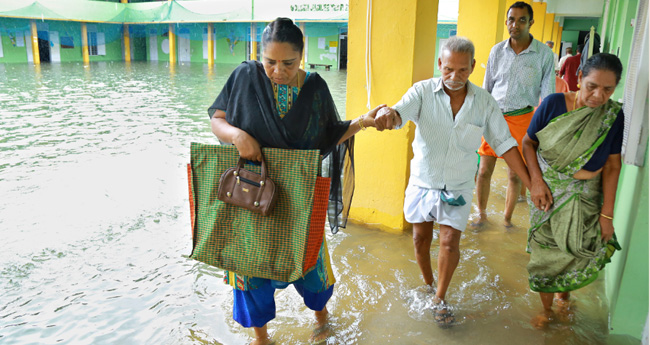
[[459, 44]]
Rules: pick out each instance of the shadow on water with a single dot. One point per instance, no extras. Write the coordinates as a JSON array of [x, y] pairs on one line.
[[95, 226]]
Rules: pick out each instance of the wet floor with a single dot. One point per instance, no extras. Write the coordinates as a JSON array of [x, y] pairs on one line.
[[95, 227]]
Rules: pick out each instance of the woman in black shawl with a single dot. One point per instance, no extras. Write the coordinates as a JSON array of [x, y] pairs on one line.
[[277, 104]]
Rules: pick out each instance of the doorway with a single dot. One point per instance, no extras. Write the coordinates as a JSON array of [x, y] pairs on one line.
[[139, 49], [343, 50], [44, 46]]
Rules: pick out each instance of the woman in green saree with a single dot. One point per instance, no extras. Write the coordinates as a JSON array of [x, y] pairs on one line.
[[573, 153]]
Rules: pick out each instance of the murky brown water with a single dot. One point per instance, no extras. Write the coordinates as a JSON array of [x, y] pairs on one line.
[[95, 228]]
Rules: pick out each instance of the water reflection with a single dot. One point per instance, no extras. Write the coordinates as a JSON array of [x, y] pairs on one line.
[[95, 226]]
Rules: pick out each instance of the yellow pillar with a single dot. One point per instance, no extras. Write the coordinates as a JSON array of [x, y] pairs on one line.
[[172, 45], [127, 44], [304, 51], [126, 39], [590, 52], [483, 22], [210, 44], [84, 44], [35, 54], [556, 31], [549, 19], [558, 40], [253, 42], [507, 4], [397, 61], [539, 17]]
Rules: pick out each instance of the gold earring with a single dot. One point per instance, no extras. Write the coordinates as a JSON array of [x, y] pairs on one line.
[[578, 86]]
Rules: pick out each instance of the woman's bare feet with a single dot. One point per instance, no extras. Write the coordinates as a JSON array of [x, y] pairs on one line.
[[262, 336], [542, 320], [322, 330], [262, 341], [566, 310]]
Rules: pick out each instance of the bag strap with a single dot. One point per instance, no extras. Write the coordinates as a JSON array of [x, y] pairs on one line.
[[263, 182]]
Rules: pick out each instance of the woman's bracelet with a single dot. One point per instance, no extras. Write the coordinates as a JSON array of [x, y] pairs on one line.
[[360, 121], [606, 216]]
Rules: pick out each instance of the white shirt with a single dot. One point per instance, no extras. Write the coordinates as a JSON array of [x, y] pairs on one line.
[[518, 80], [563, 59], [444, 148]]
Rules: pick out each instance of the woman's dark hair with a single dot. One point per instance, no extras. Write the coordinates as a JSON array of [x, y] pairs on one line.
[[283, 30], [603, 61]]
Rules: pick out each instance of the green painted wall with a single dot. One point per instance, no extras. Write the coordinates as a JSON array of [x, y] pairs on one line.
[[113, 37], [10, 28], [10, 52], [622, 47], [443, 31], [580, 24], [627, 275], [162, 56], [322, 56], [436, 71], [69, 29], [196, 47], [571, 36], [113, 42], [225, 56]]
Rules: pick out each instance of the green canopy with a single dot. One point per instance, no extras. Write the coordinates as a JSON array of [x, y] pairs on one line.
[[135, 13]]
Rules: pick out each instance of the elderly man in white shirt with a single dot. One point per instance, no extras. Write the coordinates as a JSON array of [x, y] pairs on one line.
[[569, 53], [451, 114]]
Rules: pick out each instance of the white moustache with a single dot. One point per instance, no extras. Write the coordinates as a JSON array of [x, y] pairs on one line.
[[454, 85]]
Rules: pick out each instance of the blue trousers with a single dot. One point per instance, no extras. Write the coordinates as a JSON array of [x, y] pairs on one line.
[[255, 308]]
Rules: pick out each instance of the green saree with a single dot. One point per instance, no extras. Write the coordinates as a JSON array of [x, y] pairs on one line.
[[565, 246]]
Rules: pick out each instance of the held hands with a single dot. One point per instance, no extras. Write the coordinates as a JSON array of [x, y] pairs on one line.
[[387, 118], [541, 195], [368, 119], [247, 146]]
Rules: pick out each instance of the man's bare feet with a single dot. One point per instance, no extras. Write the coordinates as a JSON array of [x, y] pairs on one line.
[[542, 320], [481, 221], [566, 310], [508, 223]]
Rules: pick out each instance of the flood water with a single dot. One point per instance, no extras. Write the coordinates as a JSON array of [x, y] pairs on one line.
[[95, 231]]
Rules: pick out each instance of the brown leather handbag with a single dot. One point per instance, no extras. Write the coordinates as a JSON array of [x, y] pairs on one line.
[[247, 189]]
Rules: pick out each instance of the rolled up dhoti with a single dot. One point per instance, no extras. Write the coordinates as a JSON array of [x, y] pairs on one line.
[[518, 121]]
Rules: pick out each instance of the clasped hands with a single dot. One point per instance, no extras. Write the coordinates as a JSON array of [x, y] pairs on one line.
[[381, 117], [384, 118], [541, 195]]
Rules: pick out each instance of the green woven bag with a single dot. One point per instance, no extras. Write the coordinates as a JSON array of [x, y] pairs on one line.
[[238, 240]]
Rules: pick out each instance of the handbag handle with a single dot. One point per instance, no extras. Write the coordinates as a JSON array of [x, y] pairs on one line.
[[263, 172], [242, 161]]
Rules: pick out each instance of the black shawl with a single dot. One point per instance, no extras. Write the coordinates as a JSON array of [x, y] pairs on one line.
[[311, 123]]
